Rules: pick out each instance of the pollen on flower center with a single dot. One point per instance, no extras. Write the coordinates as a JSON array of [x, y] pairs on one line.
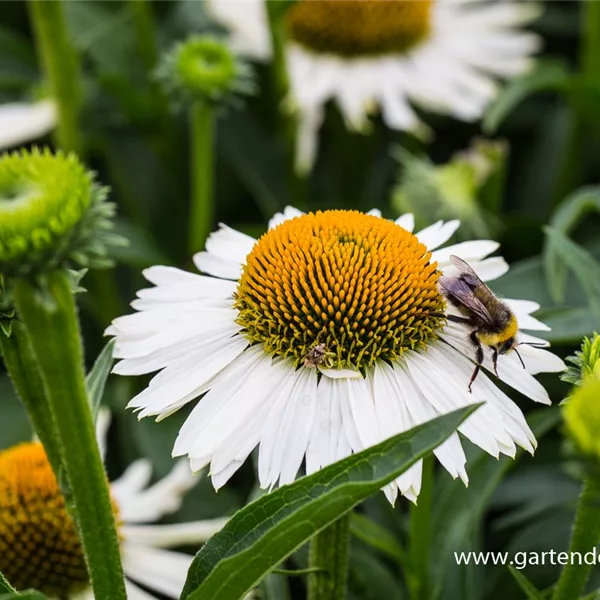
[[355, 287], [359, 27], [39, 545]]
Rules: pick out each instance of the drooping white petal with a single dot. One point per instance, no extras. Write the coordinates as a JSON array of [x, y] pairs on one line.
[[137, 505], [289, 212], [162, 570], [168, 536]]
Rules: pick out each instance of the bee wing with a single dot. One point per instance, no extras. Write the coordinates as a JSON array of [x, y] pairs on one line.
[[459, 290]]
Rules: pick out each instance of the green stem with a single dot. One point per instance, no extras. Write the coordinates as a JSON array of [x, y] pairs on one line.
[[49, 314], [145, 28], [585, 536], [589, 66], [201, 171], [328, 561], [22, 367], [590, 48], [61, 68], [281, 86], [420, 535]]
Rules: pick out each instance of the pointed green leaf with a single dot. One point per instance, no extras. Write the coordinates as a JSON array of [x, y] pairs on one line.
[[582, 263], [260, 536], [379, 538], [565, 218], [530, 591], [96, 378], [547, 76]]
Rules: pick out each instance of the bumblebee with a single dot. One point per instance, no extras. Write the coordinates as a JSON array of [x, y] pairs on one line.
[[492, 322]]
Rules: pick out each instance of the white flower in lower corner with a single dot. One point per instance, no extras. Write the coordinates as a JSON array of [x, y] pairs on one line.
[[25, 122], [53, 562], [388, 55], [318, 340]]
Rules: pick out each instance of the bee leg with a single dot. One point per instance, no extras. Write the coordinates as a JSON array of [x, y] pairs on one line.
[[453, 318], [495, 361], [478, 357]]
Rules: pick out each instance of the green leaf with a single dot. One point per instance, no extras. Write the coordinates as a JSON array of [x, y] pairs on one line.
[[5, 587], [95, 380], [261, 535], [547, 76], [565, 218], [582, 263], [373, 534], [530, 591]]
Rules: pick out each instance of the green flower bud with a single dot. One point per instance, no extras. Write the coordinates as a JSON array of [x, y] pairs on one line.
[[204, 68], [581, 414], [52, 214], [585, 364]]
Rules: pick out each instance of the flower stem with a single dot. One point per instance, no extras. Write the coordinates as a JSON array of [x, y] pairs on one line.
[[201, 170], [22, 367], [328, 561], [590, 49], [145, 28], [420, 534], [585, 536], [61, 67], [578, 135], [49, 315], [281, 86]]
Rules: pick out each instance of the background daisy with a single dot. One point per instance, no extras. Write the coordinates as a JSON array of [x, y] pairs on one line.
[[360, 288], [25, 122], [28, 488], [388, 56]]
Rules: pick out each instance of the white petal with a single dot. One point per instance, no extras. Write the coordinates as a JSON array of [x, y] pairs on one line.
[[22, 123], [229, 244], [133, 592], [167, 536], [407, 221], [217, 266], [289, 212], [468, 251], [135, 478], [162, 570], [162, 498], [340, 373], [437, 234]]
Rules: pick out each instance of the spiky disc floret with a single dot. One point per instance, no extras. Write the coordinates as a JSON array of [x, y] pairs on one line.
[[204, 68], [52, 214]]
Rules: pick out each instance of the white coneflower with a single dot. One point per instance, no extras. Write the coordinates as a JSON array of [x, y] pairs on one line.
[[22, 122], [39, 545], [392, 55], [318, 340]]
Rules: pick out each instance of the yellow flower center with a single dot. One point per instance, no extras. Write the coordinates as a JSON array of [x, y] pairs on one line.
[[359, 27], [339, 288], [39, 545]]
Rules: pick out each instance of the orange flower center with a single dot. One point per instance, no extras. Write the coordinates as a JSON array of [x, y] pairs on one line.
[[39, 545], [359, 27], [339, 288]]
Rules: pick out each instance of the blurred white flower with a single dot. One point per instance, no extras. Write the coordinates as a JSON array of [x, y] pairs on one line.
[[25, 122], [318, 340], [444, 56], [40, 549]]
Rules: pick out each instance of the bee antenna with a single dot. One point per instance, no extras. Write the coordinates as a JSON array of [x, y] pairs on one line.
[[517, 352], [533, 344]]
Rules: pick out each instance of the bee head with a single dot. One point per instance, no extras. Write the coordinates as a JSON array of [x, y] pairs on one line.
[[507, 345]]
